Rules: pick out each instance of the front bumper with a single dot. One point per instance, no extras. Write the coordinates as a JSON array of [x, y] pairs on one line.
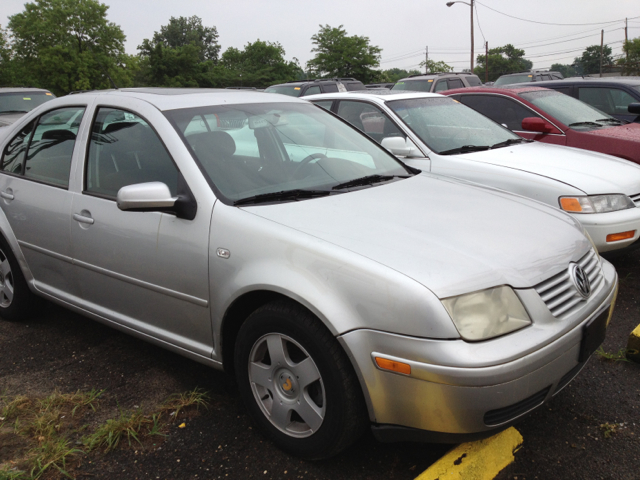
[[445, 402], [599, 225]]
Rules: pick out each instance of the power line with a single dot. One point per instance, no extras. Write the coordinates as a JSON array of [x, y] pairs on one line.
[[556, 24]]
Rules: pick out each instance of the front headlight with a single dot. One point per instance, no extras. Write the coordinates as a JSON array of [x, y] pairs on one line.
[[487, 313], [596, 203]]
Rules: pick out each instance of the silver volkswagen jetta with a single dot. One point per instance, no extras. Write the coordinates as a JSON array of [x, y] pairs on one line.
[[262, 235]]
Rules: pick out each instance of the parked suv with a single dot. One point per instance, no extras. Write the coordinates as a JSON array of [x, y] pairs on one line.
[[318, 85], [612, 95], [528, 76], [16, 101], [437, 82]]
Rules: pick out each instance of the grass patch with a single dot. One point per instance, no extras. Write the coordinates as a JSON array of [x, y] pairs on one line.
[[620, 356], [46, 433], [608, 429]]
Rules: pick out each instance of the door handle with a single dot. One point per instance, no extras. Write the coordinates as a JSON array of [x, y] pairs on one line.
[[83, 219], [7, 195]]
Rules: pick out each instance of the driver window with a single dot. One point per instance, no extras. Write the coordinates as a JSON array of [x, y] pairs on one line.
[[125, 150]]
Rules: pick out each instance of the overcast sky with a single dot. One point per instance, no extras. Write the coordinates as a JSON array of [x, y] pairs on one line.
[[403, 29]]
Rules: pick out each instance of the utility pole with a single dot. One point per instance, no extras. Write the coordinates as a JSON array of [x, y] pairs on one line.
[[426, 65], [486, 62], [626, 39], [601, 49], [471, 36]]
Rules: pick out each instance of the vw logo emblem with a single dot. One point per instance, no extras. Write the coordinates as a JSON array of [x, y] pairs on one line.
[[580, 280]]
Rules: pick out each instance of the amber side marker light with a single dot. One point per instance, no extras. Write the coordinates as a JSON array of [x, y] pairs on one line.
[[616, 237], [393, 366], [569, 204]]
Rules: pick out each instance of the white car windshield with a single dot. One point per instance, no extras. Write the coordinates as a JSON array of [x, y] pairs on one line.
[[255, 152], [448, 127]]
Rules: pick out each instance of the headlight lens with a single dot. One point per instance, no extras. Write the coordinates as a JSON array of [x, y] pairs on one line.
[[596, 203], [487, 313]]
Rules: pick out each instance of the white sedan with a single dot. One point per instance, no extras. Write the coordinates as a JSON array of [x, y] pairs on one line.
[[440, 135]]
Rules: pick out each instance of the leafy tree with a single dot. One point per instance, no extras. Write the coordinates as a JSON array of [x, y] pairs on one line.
[[183, 31], [631, 60], [6, 71], [338, 55], [589, 62], [67, 45], [259, 64], [434, 67], [395, 74], [565, 70], [502, 60]]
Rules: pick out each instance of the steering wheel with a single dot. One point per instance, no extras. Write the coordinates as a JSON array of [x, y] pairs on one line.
[[297, 174]]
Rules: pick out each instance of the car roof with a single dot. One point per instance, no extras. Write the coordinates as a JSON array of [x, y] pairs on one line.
[[22, 89], [604, 80], [380, 95], [510, 90], [174, 98]]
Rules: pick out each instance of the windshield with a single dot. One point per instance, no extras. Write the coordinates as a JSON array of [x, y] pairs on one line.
[[568, 110], [257, 149], [290, 90], [525, 77], [444, 124], [414, 85], [23, 101]]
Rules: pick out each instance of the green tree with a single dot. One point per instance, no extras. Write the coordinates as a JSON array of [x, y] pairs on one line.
[[6, 70], [589, 62], [259, 64], [395, 74], [565, 70], [338, 55], [183, 31], [434, 67], [67, 45], [502, 60], [631, 60]]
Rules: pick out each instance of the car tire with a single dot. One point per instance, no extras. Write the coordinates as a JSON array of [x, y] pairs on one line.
[[16, 300], [297, 382]]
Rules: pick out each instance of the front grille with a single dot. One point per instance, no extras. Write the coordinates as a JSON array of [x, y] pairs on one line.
[[636, 199], [560, 294], [503, 415]]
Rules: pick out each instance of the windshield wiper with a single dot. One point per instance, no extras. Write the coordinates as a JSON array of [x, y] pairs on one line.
[[368, 180], [611, 120], [506, 143], [584, 124], [466, 149], [13, 111], [285, 195]]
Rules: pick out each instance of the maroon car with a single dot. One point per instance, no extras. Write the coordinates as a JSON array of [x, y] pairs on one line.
[[549, 116]]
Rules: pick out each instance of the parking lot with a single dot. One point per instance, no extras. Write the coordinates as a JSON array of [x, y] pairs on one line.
[[588, 431]]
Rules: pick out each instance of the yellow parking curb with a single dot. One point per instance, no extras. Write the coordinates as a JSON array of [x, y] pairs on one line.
[[633, 345], [481, 460]]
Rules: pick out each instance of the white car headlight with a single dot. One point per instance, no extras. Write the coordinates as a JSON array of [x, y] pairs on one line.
[[596, 203], [487, 313]]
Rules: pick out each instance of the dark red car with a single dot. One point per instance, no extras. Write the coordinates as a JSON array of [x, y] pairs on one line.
[[553, 117]]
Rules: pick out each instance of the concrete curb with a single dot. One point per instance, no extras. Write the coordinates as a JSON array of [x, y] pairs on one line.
[[633, 345], [481, 460]]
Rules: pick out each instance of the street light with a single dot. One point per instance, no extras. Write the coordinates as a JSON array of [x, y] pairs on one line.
[[471, 5]]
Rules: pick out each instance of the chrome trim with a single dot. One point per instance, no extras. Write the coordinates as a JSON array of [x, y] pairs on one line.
[[140, 283]]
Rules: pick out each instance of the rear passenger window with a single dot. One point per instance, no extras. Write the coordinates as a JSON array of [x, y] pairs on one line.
[[441, 86], [13, 156], [50, 150], [455, 83], [330, 88], [125, 150], [312, 90], [473, 81]]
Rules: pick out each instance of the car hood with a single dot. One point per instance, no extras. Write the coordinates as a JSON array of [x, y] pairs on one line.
[[451, 237], [630, 131], [592, 172]]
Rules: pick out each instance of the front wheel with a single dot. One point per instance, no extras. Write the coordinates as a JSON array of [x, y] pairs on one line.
[[297, 382]]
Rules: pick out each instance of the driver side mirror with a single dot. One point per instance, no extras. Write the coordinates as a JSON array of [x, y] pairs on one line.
[[536, 124], [634, 108], [145, 197], [401, 147]]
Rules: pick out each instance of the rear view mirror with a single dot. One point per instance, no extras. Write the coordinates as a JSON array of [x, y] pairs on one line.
[[145, 196], [269, 119], [536, 124], [401, 147], [634, 108]]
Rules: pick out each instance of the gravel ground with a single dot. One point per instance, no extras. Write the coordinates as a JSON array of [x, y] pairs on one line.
[[589, 431]]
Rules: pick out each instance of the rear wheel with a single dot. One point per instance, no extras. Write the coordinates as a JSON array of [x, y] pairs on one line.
[[16, 300], [297, 383]]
